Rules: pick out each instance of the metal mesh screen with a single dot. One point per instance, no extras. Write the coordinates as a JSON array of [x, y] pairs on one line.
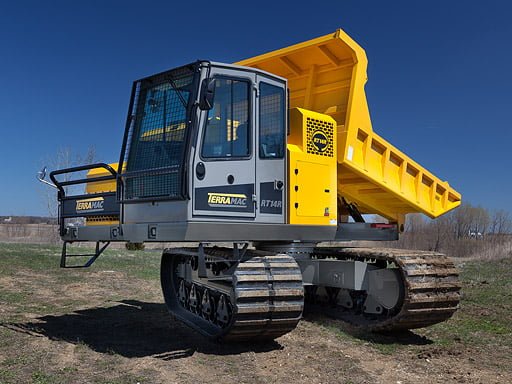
[[271, 121], [157, 136]]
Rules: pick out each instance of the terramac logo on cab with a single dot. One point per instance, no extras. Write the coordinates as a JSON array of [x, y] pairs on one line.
[[227, 200], [90, 205]]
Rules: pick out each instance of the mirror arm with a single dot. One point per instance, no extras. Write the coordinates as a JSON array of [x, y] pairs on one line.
[[41, 175]]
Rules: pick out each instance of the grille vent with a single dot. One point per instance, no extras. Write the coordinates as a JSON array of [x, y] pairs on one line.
[[320, 137]]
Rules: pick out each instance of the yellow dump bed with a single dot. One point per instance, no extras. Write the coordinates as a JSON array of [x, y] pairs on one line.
[[328, 75]]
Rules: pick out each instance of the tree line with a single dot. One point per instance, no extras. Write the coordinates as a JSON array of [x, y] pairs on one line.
[[462, 232]]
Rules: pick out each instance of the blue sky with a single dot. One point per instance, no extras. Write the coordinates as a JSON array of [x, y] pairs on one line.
[[440, 77]]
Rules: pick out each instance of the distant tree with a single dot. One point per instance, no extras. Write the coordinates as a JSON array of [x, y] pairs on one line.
[[468, 219], [441, 232], [456, 232], [64, 158], [480, 220], [501, 222], [414, 223]]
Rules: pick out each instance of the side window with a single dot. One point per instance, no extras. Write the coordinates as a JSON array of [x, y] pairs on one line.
[[227, 132], [272, 120]]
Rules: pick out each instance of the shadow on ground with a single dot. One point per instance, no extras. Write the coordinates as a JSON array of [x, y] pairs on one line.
[[131, 329], [402, 337]]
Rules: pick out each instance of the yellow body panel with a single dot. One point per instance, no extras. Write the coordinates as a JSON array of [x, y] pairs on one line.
[[173, 132], [98, 187], [312, 168], [328, 75], [101, 186]]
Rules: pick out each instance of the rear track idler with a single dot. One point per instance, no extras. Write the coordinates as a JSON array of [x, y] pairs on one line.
[[429, 289]]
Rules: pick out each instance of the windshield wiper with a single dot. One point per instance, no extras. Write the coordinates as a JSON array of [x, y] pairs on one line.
[[182, 99]]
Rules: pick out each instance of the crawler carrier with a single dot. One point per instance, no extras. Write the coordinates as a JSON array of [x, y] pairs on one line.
[[274, 154]]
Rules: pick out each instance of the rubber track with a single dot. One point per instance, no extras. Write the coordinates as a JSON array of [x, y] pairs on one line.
[[431, 286], [267, 292]]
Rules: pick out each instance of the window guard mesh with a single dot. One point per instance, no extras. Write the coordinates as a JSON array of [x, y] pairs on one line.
[[157, 136]]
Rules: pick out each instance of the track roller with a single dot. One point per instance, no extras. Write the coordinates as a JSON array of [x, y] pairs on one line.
[[259, 298]]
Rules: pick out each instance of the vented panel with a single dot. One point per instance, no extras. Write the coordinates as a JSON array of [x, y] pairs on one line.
[[320, 137], [102, 220]]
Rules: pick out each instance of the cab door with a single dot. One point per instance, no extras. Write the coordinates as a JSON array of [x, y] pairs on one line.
[[271, 120], [224, 160]]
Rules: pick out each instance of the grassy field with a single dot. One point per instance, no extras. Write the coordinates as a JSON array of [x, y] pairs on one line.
[[107, 324]]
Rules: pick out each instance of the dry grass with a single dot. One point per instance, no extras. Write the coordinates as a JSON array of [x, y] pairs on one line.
[[492, 250]]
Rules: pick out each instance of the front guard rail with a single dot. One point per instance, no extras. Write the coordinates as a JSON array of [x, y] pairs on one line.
[[61, 184], [67, 201]]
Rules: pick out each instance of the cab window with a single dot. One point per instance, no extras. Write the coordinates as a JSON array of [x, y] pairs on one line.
[[227, 132], [272, 122]]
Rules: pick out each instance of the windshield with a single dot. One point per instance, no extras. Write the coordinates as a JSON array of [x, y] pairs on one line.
[[157, 137]]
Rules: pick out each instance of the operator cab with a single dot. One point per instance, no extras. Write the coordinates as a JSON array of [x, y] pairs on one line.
[[206, 141]]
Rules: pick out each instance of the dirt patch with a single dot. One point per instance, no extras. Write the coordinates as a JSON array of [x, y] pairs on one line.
[[106, 326], [139, 339]]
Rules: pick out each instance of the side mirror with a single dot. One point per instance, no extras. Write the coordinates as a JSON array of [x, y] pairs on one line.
[[207, 94], [41, 175]]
